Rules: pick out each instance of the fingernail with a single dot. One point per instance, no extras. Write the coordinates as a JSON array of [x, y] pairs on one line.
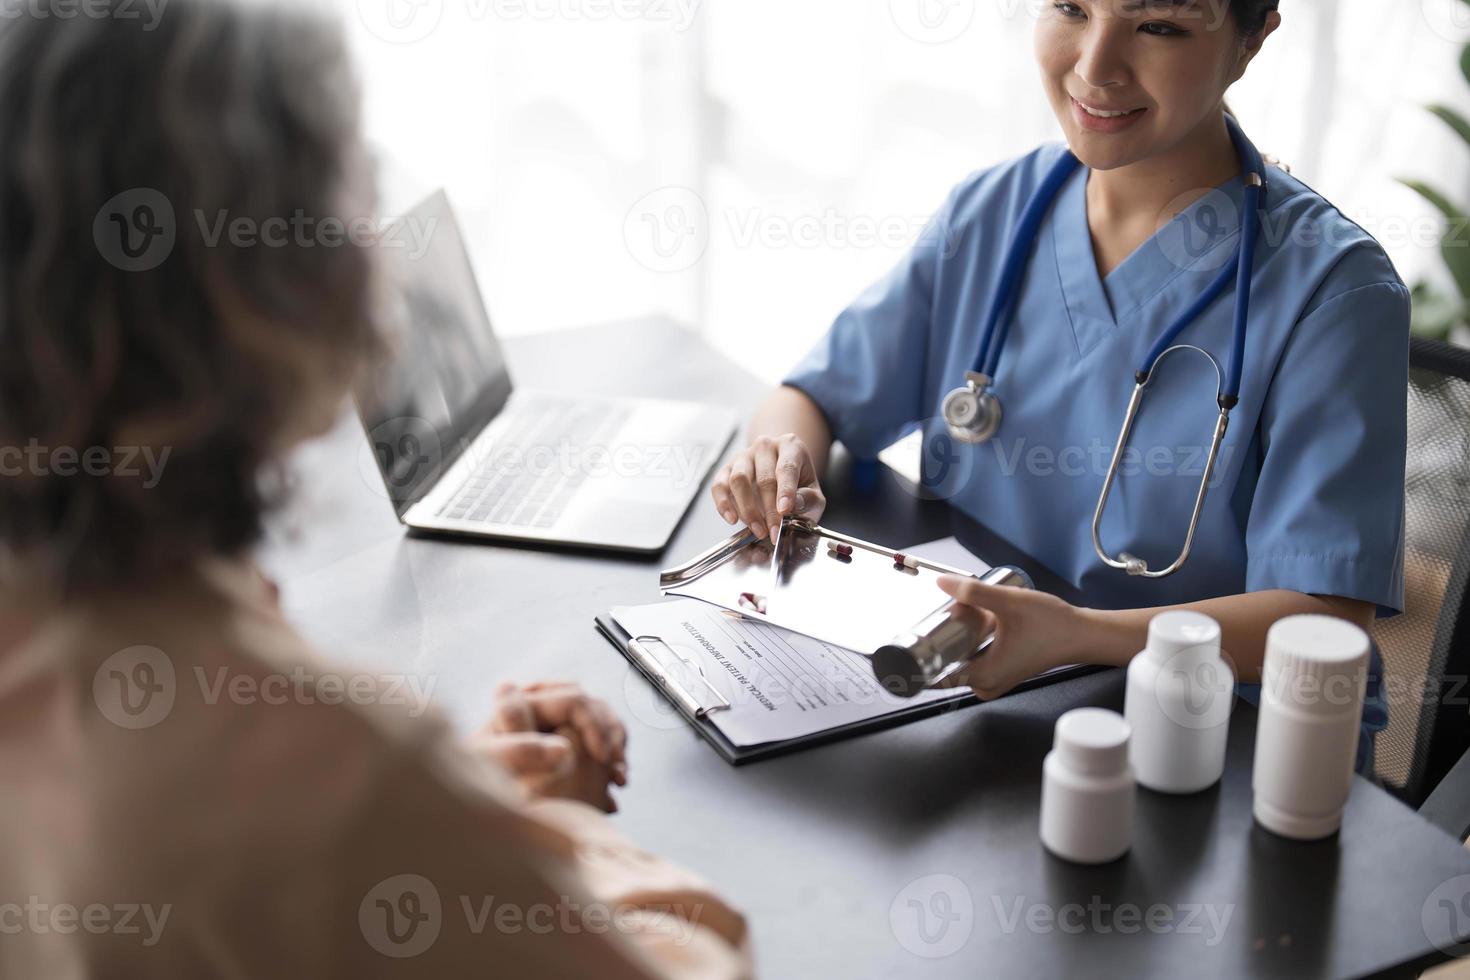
[[800, 500], [758, 529], [784, 504], [729, 516]]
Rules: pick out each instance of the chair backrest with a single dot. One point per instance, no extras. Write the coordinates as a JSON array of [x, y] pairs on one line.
[[1424, 650]]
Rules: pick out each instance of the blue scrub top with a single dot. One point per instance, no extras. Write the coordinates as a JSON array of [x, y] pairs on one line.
[[1308, 493]]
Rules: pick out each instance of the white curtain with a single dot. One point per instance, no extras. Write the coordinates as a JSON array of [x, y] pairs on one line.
[[747, 166]]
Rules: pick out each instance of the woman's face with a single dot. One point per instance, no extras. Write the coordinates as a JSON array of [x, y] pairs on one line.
[[1165, 65]]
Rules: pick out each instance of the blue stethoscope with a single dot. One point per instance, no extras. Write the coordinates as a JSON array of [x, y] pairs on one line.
[[973, 413]]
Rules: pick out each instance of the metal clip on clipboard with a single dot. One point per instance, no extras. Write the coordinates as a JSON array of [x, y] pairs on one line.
[[848, 592], [666, 676]]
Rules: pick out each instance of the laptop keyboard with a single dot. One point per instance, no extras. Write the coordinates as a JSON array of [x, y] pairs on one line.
[[536, 465]]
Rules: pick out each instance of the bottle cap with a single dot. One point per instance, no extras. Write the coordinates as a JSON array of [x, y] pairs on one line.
[[1093, 741], [1183, 638], [1316, 664]]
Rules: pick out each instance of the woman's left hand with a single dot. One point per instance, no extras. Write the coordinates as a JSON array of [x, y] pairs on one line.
[[558, 741], [1034, 632]]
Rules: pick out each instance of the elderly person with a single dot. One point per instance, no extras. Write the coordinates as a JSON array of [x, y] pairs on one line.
[[152, 827]]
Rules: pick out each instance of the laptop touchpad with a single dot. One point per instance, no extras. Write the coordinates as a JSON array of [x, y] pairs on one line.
[[626, 521]]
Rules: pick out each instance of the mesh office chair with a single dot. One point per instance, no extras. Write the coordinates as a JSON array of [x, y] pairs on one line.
[[1425, 650]]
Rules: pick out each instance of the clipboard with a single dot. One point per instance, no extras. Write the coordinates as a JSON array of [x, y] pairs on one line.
[[820, 583], [728, 572], [696, 705]]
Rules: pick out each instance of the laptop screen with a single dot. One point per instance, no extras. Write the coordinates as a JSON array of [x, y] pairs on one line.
[[445, 377]]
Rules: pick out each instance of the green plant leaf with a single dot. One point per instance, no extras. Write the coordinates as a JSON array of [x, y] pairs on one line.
[[1444, 204], [1465, 62], [1434, 313], [1456, 255], [1453, 119], [1455, 244]]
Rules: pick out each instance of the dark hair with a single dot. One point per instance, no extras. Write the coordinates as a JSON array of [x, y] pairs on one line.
[[1251, 15], [131, 319]]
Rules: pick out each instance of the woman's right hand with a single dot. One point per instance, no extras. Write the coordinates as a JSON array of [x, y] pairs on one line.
[[772, 478], [558, 741]]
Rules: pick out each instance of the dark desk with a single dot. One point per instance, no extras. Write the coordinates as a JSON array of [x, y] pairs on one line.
[[871, 857]]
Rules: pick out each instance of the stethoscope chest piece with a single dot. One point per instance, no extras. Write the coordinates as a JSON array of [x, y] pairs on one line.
[[972, 413]]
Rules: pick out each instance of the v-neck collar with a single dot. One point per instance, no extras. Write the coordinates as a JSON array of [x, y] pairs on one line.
[[1194, 246]]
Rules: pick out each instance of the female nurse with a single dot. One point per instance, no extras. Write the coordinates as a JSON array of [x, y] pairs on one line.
[[1304, 507]]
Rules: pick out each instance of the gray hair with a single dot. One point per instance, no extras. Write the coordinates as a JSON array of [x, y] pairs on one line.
[[123, 322]]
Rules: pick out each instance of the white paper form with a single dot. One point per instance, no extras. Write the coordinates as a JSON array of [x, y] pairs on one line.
[[780, 685]]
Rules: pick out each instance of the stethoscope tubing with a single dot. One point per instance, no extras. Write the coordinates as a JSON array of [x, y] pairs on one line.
[[998, 319], [997, 323], [977, 410]]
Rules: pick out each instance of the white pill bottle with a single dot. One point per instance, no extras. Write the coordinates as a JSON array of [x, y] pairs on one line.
[[1178, 702], [1312, 687], [1087, 788]]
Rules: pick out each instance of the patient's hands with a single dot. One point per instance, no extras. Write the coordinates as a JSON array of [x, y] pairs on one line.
[[558, 741]]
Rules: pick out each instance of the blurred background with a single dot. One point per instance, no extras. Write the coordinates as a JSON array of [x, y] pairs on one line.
[[748, 166]]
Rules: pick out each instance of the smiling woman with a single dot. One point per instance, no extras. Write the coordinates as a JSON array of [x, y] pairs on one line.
[[1138, 88], [1068, 280]]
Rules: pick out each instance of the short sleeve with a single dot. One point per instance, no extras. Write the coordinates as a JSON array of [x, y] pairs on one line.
[[867, 373], [1328, 513]]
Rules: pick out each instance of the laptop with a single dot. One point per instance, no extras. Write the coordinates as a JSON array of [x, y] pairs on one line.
[[462, 451]]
